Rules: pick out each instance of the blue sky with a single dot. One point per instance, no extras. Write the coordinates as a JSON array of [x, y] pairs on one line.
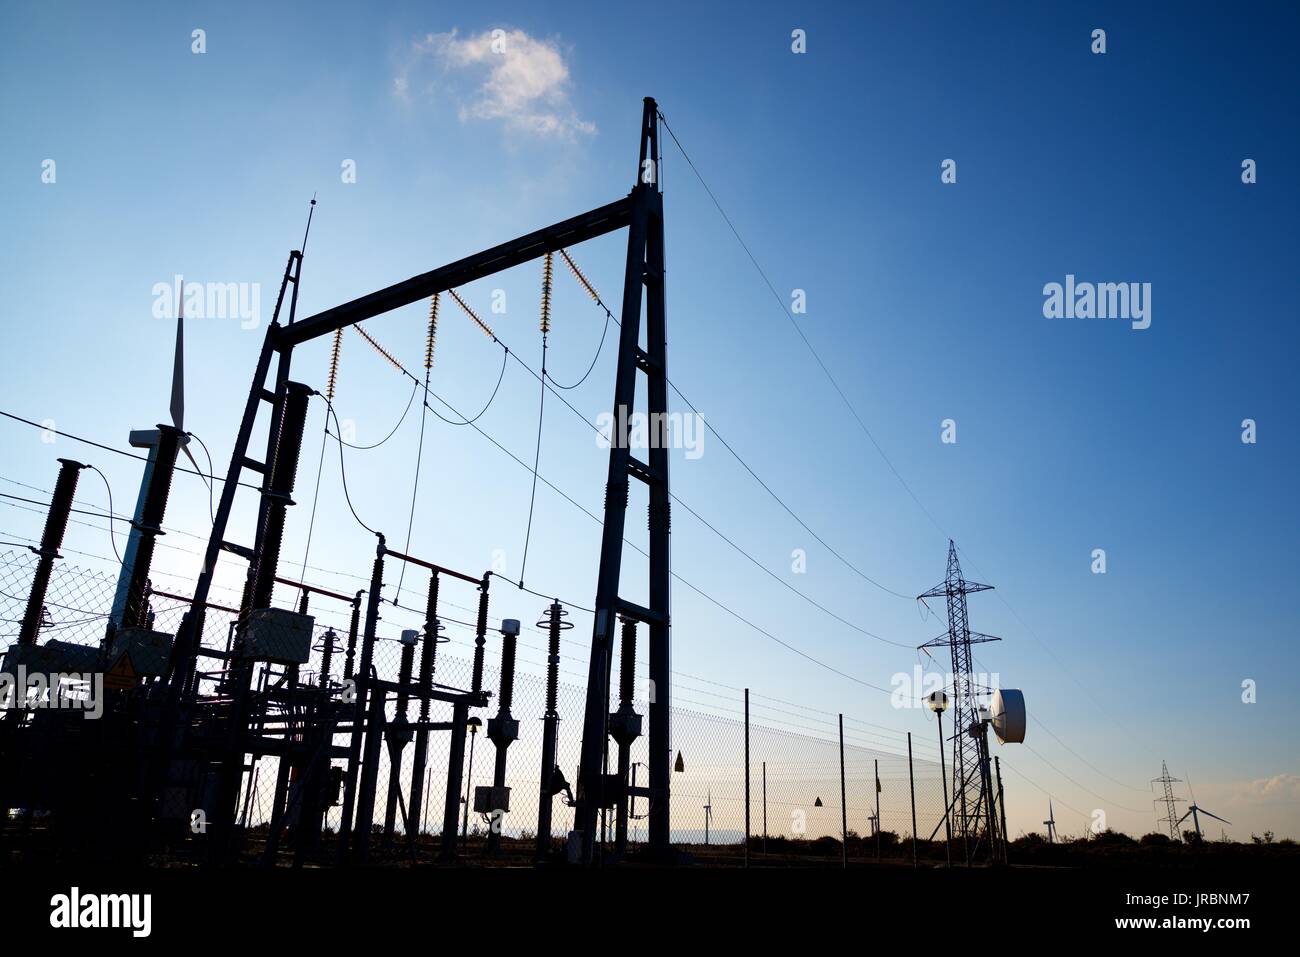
[[924, 300]]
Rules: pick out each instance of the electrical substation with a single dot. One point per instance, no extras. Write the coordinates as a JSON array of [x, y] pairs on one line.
[[187, 723], [251, 731]]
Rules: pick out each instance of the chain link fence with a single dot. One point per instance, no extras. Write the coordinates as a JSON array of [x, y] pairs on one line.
[[795, 806]]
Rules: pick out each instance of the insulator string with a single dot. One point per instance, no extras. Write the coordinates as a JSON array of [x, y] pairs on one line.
[[487, 331], [333, 377], [433, 335], [541, 408], [547, 272], [377, 347]]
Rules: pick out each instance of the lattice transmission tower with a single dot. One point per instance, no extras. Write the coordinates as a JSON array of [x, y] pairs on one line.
[[971, 785], [1168, 800]]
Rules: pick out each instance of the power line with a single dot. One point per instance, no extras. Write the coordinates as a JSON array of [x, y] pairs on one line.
[[736, 455], [676, 498], [635, 547], [835, 384], [807, 343], [109, 448]]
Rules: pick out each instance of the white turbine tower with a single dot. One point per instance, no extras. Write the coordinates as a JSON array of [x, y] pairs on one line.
[[1051, 823], [149, 439]]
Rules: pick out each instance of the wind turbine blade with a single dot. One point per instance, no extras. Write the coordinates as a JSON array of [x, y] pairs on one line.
[[178, 377], [185, 447], [1186, 816], [1215, 816]]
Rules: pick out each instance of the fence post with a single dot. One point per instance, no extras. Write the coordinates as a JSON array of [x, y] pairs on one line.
[[844, 808], [877, 765], [747, 777], [764, 808], [911, 781]]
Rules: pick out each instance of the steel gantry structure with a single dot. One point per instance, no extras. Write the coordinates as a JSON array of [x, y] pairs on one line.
[[641, 214]]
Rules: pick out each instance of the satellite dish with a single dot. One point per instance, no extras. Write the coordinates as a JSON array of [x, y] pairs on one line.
[[1008, 716]]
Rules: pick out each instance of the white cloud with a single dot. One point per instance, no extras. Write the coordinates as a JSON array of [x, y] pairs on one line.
[[525, 80], [1280, 787]]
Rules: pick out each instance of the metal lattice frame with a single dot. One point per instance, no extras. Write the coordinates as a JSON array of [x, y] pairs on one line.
[[1170, 802], [969, 764]]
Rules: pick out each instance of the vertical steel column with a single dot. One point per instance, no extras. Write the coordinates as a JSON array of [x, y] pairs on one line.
[[56, 523], [455, 772], [876, 764], [397, 735], [764, 808], [644, 271], [746, 777], [911, 783], [136, 612], [624, 728], [660, 591], [365, 822], [844, 805], [361, 683], [428, 663]]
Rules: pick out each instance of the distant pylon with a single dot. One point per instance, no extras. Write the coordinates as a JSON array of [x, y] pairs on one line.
[[1168, 800]]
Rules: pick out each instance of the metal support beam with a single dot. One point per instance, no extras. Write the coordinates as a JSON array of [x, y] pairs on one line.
[[428, 665], [643, 275], [597, 222]]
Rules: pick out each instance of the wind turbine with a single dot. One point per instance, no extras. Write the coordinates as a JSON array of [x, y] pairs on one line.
[[178, 382], [1051, 823], [1194, 811], [150, 439], [708, 815]]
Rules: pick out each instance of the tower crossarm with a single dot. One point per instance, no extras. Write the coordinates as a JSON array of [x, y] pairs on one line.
[[945, 640]]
